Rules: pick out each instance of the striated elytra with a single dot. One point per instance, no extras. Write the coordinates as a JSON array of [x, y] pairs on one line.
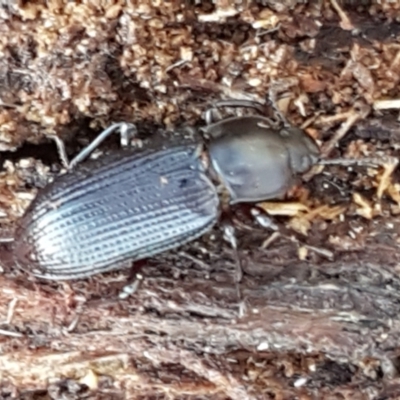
[[127, 206], [135, 204]]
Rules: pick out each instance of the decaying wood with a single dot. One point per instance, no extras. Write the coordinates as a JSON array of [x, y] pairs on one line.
[[345, 310], [320, 296]]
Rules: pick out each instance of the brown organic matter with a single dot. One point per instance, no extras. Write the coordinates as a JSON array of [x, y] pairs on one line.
[[318, 313]]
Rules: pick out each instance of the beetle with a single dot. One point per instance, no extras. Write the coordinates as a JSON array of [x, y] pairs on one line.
[[131, 205]]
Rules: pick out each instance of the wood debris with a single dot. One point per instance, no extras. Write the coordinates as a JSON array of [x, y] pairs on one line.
[[320, 293]]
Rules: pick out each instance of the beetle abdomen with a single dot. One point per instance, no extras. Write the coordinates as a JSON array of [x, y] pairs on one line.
[[122, 207]]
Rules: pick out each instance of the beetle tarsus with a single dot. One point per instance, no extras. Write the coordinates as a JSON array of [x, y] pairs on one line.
[[133, 281], [130, 288], [62, 153], [128, 132]]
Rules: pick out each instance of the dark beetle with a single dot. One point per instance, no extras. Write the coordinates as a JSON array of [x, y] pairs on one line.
[[125, 206], [136, 204]]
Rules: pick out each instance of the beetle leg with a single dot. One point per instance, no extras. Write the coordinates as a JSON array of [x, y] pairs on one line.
[[133, 281], [128, 132], [122, 126], [230, 237], [61, 150], [131, 287], [241, 103], [208, 115], [263, 219], [273, 91]]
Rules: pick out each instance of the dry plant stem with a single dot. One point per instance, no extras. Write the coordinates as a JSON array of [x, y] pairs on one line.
[[3, 332], [6, 239], [328, 119], [390, 165], [386, 104], [341, 132], [11, 309], [345, 20], [351, 118], [7, 105], [195, 83], [177, 64], [200, 263], [319, 250]]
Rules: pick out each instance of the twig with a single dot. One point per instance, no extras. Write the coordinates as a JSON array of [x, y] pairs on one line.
[[386, 104], [9, 333], [11, 309], [359, 111], [345, 20]]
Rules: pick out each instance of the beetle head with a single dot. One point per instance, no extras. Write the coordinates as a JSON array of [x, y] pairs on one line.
[[303, 151]]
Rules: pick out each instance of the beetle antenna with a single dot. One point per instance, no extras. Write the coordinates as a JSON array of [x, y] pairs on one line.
[[368, 161]]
